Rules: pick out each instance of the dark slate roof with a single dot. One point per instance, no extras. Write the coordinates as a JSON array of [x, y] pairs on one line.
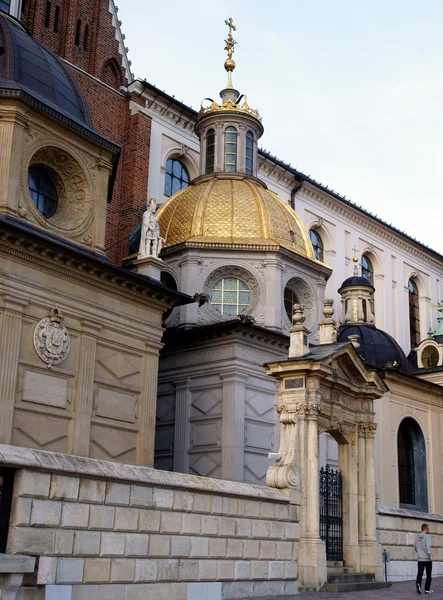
[[377, 348], [356, 280], [29, 69]]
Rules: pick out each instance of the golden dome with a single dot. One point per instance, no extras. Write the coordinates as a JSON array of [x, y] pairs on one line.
[[222, 212]]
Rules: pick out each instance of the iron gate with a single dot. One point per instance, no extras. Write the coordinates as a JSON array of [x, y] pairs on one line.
[[6, 484], [331, 512]]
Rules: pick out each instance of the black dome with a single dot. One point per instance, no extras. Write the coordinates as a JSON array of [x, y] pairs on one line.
[[377, 348], [356, 280], [30, 70]]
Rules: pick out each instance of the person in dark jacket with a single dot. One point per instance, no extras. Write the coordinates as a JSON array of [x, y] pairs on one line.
[[425, 558]]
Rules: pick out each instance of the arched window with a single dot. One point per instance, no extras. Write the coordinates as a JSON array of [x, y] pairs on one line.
[[86, 38], [249, 152], [411, 454], [230, 149], [56, 19], [230, 296], [210, 151], [176, 177], [42, 189], [414, 314], [47, 15], [317, 244], [290, 298], [78, 32], [367, 270], [110, 74], [430, 357]]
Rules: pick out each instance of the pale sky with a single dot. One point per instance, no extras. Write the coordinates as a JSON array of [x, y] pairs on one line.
[[351, 93]]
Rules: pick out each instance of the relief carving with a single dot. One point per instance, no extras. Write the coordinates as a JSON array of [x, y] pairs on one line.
[[51, 338]]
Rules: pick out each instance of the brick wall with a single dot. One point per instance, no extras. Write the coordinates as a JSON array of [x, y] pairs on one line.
[[397, 530], [145, 531]]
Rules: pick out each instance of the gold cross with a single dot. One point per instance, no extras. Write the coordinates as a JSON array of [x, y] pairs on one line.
[[230, 23], [230, 42]]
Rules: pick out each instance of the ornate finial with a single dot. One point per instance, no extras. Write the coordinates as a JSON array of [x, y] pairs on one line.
[[355, 260], [298, 318], [230, 43]]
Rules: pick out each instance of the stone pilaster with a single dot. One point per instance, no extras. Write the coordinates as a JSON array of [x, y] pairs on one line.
[[233, 426], [84, 396], [147, 410], [10, 333], [273, 308], [181, 429], [348, 464]]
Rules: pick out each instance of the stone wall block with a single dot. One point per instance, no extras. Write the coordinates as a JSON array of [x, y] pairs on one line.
[[259, 569], [285, 551], [85, 592], [293, 512], [251, 549], [58, 592], [101, 517], [112, 591], [291, 531], [207, 570], [122, 570], [97, 570], [234, 548], [26, 540], [291, 569], [32, 484], [64, 542], [242, 569], [209, 525], [217, 505], [163, 498], [191, 523], [145, 570], [276, 569], [126, 519], [170, 522], [227, 527], [225, 570], [260, 529], [217, 547], [112, 544], [202, 503], [21, 511], [46, 513], [70, 570], [252, 508], [199, 547], [167, 569], [277, 529], [230, 506], [180, 546], [243, 528], [141, 496], [188, 570], [159, 545], [117, 493], [87, 543], [267, 549], [136, 544], [64, 488], [183, 500], [149, 520], [267, 510], [92, 490], [281, 511], [75, 515], [47, 570]]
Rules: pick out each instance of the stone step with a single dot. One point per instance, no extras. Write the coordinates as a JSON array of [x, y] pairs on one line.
[[356, 586], [334, 563], [338, 570], [346, 577]]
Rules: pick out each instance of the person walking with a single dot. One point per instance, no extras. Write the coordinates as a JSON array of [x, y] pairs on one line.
[[424, 558]]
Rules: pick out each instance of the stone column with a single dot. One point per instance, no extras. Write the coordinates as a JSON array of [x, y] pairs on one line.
[[148, 408], [84, 392], [273, 308], [348, 464], [181, 427], [361, 482], [233, 427], [312, 472], [10, 333]]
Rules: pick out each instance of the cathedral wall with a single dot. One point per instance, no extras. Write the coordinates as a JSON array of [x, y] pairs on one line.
[[397, 531], [103, 529]]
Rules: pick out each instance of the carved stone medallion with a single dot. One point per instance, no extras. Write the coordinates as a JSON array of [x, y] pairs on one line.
[[51, 338]]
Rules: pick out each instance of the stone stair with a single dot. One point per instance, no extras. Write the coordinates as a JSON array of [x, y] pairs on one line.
[[343, 579]]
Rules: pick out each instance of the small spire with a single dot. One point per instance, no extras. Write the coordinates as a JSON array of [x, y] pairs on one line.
[[355, 260], [230, 43]]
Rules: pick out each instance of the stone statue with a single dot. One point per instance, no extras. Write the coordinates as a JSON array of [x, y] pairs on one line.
[[150, 239]]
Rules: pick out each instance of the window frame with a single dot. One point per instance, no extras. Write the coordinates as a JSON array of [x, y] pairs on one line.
[[43, 171], [210, 145], [249, 148], [318, 246], [171, 161], [412, 466], [367, 268], [240, 307], [414, 313], [231, 165]]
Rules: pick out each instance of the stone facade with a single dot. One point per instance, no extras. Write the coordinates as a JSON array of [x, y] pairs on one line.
[[101, 530]]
